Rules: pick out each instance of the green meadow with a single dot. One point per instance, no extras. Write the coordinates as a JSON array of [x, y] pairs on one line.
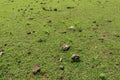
[[33, 31]]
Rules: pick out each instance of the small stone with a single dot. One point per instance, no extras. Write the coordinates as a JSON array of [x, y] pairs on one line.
[[36, 69], [61, 67], [72, 28], [75, 58], [65, 47]]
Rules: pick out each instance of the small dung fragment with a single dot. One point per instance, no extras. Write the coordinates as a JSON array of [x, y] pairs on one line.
[[80, 30], [72, 28], [101, 39], [70, 7], [29, 32], [30, 18], [1, 46], [55, 9], [36, 69], [1, 53], [61, 67], [65, 47], [60, 59], [109, 20], [64, 31], [94, 21], [75, 58]]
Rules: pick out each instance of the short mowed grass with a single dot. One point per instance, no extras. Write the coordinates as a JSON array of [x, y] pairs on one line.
[[96, 39]]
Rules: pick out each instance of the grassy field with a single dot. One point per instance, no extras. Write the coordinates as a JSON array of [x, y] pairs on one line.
[[33, 31]]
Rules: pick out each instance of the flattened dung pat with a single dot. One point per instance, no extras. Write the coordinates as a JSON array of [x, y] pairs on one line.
[[65, 47], [75, 58], [36, 69]]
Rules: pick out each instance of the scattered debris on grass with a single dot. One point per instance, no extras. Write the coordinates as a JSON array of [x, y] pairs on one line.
[[36, 69], [65, 47], [72, 28], [61, 67], [75, 58]]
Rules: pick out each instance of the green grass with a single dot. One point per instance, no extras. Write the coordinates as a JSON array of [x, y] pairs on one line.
[[97, 57]]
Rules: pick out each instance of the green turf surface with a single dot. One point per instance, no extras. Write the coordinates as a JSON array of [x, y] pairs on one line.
[[96, 39]]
